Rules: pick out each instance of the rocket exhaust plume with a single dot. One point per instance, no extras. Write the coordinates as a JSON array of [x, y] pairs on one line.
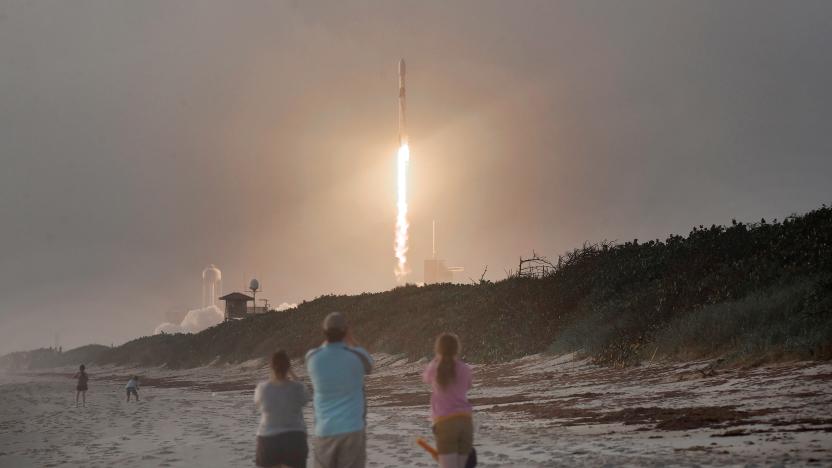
[[402, 225], [402, 160]]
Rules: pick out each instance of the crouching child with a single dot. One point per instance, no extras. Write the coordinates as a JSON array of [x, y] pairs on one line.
[[133, 387]]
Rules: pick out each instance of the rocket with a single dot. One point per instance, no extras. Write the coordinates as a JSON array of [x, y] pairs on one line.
[[402, 106]]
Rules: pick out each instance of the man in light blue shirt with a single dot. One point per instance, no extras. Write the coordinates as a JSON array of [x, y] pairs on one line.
[[337, 370]]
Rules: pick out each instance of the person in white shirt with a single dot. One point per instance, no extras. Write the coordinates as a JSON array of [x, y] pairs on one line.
[[133, 387], [281, 436]]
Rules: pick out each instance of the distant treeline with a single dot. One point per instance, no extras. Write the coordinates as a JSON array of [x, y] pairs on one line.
[[52, 357], [759, 291]]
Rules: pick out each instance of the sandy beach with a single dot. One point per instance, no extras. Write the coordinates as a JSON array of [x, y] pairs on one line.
[[533, 412]]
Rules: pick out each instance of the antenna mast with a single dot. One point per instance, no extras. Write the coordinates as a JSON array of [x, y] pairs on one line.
[[434, 239]]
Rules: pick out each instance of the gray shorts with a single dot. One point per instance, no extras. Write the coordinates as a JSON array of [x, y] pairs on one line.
[[341, 451]]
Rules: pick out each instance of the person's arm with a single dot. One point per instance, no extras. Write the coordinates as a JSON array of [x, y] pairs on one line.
[[257, 396], [428, 374], [350, 340], [364, 356], [303, 394], [470, 373]]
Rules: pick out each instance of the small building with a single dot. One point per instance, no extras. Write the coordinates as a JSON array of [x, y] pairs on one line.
[[437, 272], [236, 305], [435, 269]]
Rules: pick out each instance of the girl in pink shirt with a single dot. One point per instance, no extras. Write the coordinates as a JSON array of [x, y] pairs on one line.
[[450, 380]]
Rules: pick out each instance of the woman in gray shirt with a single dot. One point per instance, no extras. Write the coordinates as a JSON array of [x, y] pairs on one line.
[[281, 436]]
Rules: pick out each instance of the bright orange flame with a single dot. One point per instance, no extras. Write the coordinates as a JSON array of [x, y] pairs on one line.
[[402, 160]]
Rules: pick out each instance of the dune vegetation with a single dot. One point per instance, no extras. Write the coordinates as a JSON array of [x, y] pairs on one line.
[[751, 291]]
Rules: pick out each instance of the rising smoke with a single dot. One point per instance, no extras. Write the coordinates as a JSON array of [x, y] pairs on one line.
[[210, 314], [194, 322], [197, 320]]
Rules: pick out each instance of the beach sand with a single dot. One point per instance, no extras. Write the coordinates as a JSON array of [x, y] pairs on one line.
[[533, 412]]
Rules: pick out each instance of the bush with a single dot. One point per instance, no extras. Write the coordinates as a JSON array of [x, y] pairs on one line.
[[791, 321], [612, 301]]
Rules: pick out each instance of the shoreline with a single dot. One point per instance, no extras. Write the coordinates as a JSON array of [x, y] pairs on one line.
[[534, 411]]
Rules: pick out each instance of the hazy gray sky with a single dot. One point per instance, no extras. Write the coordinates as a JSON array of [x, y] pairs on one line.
[[140, 141]]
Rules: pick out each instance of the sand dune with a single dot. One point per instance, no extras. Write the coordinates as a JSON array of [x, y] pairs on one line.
[[537, 411]]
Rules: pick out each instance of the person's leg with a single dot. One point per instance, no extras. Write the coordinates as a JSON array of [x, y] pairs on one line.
[[128, 395], [448, 437], [137, 395], [353, 451], [77, 395], [84, 397], [325, 452], [466, 441], [295, 449], [448, 460], [471, 458]]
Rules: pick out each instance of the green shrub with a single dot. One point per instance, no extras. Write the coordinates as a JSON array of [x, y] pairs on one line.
[[719, 285], [794, 321]]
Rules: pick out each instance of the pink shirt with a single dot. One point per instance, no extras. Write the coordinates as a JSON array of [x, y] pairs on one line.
[[453, 398]]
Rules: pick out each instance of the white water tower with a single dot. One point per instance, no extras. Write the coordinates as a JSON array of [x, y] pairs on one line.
[[211, 286]]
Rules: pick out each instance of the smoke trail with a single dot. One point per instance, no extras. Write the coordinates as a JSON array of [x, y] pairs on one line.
[[402, 160]]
